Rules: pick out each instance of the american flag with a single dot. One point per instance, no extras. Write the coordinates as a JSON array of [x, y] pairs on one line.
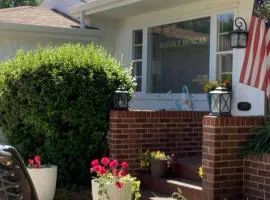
[[255, 70]]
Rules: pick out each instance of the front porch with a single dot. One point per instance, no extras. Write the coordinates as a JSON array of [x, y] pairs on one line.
[[187, 134]]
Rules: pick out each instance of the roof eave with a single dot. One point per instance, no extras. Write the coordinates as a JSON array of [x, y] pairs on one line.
[[49, 31], [99, 6]]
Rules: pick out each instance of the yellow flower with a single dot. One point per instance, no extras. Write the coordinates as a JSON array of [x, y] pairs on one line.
[[200, 172]]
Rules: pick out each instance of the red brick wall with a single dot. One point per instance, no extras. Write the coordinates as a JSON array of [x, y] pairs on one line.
[[257, 177], [169, 131], [223, 138]]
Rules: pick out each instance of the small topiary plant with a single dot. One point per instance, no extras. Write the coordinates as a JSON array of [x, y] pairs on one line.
[[55, 102]]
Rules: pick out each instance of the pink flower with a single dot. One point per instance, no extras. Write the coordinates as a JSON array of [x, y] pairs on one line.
[[115, 172], [37, 158], [102, 171], [125, 165], [30, 161], [95, 162], [119, 185], [37, 164], [105, 161], [114, 164], [122, 173], [95, 168]]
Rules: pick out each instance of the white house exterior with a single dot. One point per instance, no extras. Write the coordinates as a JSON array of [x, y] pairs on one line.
[[28, 27], [172, 44]]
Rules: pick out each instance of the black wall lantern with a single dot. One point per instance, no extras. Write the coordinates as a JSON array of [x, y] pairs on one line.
[[221, 102], [120, 100], [239, 37]]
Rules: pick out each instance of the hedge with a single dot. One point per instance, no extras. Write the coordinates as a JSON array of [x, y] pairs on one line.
[[54, 101]]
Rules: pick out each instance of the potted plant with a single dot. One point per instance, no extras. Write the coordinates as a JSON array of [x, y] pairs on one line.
[[44, 178], [212, 85], [208, 87], [112, 181], [158, 162]]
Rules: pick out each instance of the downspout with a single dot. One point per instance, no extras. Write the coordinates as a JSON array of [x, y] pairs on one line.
[[82, 19]]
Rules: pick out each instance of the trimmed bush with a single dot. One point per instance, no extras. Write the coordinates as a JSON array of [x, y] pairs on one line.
[[55, 102]]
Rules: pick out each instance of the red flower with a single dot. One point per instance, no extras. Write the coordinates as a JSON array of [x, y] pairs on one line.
[[95, 162], [119, 185], [30, 161], [115, 172], [95, 168], [122, 173], [114, 164], [37, 164], [125, 165], [37, 158], [102, 171], [105, 161]]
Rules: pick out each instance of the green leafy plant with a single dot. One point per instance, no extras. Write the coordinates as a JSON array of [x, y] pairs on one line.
[[146, 157], [15, 3], [263, 9], [258, 144], [55, 102], [212, 85], [112, 172], [178, 195]]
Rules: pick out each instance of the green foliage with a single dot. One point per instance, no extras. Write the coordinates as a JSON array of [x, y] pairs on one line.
[[55, 102], [15, 3], [260, 143]]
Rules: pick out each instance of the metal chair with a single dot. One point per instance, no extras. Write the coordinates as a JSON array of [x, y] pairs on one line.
[[15, 182]]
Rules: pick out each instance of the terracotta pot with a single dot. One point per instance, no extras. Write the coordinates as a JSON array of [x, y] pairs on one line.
[[158, 168], [110, 192], [44, 180]]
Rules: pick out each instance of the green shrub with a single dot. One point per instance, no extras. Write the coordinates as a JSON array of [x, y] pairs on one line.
[[55, 102], [260, 143]]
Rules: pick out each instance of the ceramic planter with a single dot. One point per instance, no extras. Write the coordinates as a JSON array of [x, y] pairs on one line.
[[44, 180], [111, 192], [158, 168]]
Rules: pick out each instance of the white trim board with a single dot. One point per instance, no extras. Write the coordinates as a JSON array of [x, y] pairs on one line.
[[51, 32]]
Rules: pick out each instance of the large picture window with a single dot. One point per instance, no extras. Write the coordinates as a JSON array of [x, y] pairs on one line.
[[178, 55]]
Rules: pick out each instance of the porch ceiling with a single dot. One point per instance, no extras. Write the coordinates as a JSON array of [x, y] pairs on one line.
[[119, 9]]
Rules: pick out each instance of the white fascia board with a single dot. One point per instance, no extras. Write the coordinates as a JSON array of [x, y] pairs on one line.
[[97, 6], [53, 32]]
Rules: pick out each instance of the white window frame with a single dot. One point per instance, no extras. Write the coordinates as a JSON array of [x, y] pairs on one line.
[[213, 51], [215, 76]]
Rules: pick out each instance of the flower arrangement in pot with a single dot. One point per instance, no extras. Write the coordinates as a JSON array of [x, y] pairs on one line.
[[157, 161], [211, 85], [113, 181], [44, 178]]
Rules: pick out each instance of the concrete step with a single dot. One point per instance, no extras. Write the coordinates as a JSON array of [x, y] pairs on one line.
[[187, 167], [192, 190], [149, 195]]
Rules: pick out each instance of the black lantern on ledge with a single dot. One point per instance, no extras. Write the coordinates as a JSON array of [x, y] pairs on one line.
[[221, 102], [239, 37], [120, 100]]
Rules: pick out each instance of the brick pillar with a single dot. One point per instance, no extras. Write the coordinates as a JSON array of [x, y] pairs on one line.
[[223, 138]]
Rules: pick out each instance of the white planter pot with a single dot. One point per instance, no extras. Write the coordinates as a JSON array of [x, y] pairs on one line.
[[44, 180], [112, 193]]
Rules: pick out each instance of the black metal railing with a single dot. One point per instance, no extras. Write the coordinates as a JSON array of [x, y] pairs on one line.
[[15, 182]]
